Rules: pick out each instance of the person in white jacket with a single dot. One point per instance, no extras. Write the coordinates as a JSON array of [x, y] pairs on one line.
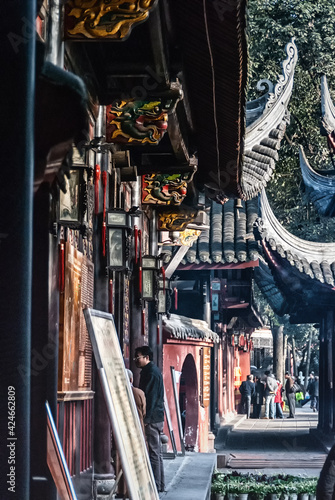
[[271, 387]]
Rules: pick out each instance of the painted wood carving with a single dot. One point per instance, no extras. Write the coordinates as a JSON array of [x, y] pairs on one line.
[[188, 237], [104, 19], [165, 189], [176, 219], [136, 122]]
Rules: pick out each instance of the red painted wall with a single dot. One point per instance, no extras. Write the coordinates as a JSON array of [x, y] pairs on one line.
[[242, 359], [197, 417]]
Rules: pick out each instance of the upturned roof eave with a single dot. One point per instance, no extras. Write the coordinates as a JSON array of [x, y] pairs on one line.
[[311, 176], [309, 250], [327, 109], [277, 102], [264, 134]]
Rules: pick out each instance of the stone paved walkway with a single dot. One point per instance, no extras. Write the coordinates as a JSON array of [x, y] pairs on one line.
[[279, 445]]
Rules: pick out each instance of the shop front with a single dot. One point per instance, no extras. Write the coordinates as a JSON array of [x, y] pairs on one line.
[[187, 360]]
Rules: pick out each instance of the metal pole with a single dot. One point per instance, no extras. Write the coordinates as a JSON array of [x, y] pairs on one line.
[[16, 228]]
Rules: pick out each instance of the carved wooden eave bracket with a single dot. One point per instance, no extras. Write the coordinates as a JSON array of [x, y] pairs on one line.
[[104, 20], [320, 188], [133, 122], [314, 259], [327, 109], [267, 118]]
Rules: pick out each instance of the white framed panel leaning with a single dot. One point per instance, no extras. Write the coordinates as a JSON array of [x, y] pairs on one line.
[[121, 406]]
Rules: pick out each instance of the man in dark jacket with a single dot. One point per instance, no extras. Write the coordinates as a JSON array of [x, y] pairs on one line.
[[247, 390], [151, 383], [290, 394], [258, 398]]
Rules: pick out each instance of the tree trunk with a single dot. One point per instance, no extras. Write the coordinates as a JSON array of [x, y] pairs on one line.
[[308, 360], [286, 363], [278, 350], [295, 371]]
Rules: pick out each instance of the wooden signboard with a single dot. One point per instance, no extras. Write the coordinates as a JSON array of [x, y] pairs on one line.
[[121, 406], [176, 401], [205, 374], [75, 351]]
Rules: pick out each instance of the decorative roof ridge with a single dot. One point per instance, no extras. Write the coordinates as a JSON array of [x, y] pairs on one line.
[[266, 130], [319, 181], [271, 229], [277, 101], [327, 108]]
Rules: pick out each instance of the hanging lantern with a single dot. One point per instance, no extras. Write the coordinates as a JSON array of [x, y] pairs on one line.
[[118, 230], [163, 289], [149, 270], [215, 294], [237, 377]]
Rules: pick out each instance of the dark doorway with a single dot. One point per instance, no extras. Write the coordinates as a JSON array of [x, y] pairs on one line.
[[189, 402]]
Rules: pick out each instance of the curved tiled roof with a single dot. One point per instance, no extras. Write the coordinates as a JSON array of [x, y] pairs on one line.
[[267, 118], [320, 188], [183, 328], [314, 259], [230, 238]]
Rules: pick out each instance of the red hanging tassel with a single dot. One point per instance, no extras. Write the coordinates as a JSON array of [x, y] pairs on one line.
[[143, 321], [175, 298], [140, 243], [104, 185], [140, 260], [61, 267], [136, 242], [110, 301], [103, 238], [163, 274], [96, 188]]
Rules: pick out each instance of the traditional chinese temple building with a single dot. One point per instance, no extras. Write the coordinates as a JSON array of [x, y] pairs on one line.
[[128, 180]]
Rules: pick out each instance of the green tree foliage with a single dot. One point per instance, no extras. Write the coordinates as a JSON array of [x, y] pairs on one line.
[[272, 23]]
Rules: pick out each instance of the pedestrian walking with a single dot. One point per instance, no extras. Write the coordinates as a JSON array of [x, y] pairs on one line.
[[270, 392], [247, 390], [311, 389], [279, 401], [151, 383], [258, 398], [315, 399], [290, 394]]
